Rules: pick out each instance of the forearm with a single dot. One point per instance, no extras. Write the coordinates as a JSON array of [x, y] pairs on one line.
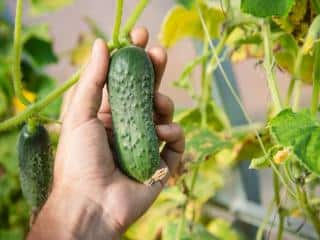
[[68, 216]]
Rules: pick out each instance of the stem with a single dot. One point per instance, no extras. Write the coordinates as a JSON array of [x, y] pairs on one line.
[[132, 20], [183, 218], [265, 221], [31, 124], [206, 76], [204, 89], [38, 106], [304, 204], [316, 81], [17, 49], [297, 80], [297, 95], [117, 23], [276, 189], [268, 64], [290, 91]]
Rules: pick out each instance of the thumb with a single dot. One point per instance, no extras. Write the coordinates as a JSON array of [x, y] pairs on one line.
[[87, 98]]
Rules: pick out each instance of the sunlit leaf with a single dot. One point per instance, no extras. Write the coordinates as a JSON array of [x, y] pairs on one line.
[[222, 230], [313, 35], [165, 209], [262, 8], [43, 6], [190, 231], [301, 133], [191, 119], [181, 23], [210, 179]]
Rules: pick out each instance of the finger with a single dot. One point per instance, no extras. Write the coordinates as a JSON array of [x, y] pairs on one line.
[[159, 58], [106, 120], [66, 101], [87, 99], [140, 36], [174, 148], [105, 106], [164, 108]]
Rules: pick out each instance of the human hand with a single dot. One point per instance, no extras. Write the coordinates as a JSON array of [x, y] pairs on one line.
[[91, 198]]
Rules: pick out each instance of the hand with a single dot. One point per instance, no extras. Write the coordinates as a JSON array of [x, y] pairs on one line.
[[91, 198]]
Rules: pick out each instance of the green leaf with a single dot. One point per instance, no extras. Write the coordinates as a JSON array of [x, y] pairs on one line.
[[39, 31], [42, 6], [39, 52], [301, 133], [191, 231], [12, 234], [2, 5], [181, 23], [202, 143], [8, 152], [186, 3], [3, 103], [46, 85], [263, 8]]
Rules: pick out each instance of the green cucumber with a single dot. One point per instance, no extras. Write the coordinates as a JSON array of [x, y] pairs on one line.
[[35, 163], [131, 91]]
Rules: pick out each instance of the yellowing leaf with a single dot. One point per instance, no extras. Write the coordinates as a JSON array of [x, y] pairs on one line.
[[81, 53], [181, 23], [222, 230], [247, 51], [18, 105]]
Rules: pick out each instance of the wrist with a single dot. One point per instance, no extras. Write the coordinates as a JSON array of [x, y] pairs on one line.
[[69, 215]]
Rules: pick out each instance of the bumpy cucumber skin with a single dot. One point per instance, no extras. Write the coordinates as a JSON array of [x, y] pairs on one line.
[[131, 91], [35, 163]]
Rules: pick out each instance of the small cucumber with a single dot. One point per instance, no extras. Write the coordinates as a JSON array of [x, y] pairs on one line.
[[131, 90], [35, 163]]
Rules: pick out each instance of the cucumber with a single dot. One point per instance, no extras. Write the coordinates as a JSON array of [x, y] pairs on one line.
[[35, 163], [131, 91]]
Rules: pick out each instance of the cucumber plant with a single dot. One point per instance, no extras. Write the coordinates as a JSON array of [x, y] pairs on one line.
[[282, 34]]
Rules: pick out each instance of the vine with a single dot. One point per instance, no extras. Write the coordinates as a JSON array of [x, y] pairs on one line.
[[17, 49]]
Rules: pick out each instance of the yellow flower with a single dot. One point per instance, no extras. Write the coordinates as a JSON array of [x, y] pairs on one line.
[[18, 106], [281, 156]]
